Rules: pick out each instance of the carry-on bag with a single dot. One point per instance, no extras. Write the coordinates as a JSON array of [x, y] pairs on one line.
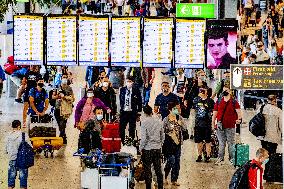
[[241, 154], [111, 141], [274, 169]]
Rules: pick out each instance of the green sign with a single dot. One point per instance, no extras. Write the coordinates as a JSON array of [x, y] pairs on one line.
[[23, 1], [195, 10]]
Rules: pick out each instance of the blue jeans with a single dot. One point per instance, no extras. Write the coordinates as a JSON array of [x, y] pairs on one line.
[[147, 92], [12, 174], [226, 136], [173, 165]]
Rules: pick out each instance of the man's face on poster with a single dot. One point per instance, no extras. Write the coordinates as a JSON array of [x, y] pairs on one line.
[[217, 47]]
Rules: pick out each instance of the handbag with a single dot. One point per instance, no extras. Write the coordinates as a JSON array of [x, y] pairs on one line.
[[139, 172]]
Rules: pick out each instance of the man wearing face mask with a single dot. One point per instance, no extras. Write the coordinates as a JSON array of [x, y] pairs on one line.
[[273, 125], [256, 171], [63, 106], [261, 56], [130, 105], [162, 100], [99, 83], [38, 99], [202, 130], [227, 113], [93, 128], [30, 79], [107, 95]]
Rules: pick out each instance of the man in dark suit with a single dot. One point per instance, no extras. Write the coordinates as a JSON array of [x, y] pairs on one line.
[[130, 105]]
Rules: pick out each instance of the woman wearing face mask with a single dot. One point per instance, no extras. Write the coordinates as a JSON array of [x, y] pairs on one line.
[[85, 107], [107, 95], [64, 99], [173, 126]]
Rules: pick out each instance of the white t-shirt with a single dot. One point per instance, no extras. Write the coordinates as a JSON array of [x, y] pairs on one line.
[[127, 105]]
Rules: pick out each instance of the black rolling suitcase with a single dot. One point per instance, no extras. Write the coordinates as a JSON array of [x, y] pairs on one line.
[[274, 169], [249, 100]]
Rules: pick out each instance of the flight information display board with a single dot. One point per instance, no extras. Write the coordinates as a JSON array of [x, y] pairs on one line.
[[157, 44], [93, 41], [28, 40], [126, 42], [189, 43], [61, 40]]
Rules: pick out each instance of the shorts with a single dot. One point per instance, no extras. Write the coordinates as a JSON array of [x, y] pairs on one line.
[[26, 96], [202, 134]]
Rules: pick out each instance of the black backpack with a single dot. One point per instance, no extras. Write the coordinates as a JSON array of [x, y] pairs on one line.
[[257, 124], [240, 179], [52, 102]]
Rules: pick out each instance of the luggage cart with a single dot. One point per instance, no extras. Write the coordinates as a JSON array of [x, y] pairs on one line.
[[44, 135], [107, 174]]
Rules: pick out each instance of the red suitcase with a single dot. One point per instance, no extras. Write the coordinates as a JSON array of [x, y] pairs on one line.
[[111, 141]]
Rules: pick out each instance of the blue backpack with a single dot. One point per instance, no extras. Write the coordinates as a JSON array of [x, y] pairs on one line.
[[25, 156]]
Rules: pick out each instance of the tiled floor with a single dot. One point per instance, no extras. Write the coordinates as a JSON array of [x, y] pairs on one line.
[[63, 171]]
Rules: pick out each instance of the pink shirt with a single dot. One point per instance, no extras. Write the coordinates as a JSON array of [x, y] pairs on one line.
[[88, 111]]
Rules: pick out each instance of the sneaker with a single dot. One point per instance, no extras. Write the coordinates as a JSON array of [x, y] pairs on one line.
[[199, 158], [1, 113], [175, 184], [207, 159], [18, 100], [219, 162]]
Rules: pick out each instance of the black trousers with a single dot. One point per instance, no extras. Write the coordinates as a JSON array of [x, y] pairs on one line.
[[61, 123], [125, 118], [150, 157], [119, 10], [271, 148]]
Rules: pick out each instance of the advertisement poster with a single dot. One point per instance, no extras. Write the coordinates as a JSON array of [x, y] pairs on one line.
[[189, 43], [28, 40], [61, 40], [221, 43], [126, 42], [93, 41], [157, 44]]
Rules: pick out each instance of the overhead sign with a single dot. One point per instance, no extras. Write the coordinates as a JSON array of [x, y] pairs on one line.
[[158, 43], [195, 10], [256, 77], [61, 40], [126, 42], [189, 44], [28, 40], [93, 41]]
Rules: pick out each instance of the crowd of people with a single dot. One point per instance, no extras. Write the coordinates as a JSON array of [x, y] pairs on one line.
[[265, 45], [122, 7], [124, 94]]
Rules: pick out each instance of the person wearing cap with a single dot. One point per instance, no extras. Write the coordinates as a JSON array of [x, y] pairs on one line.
[[38, 99], [261, 56], [217, 45], [130, 106]]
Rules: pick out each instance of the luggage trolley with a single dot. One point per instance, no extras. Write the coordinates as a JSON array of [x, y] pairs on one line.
[[114, 171], [44, 134]]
